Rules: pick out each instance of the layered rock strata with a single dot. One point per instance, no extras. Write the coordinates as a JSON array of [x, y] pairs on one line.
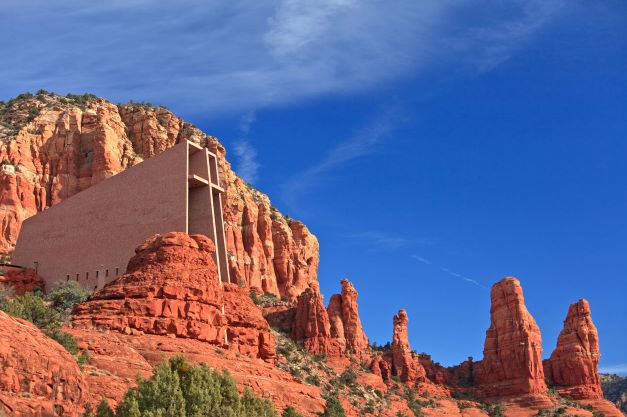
[[335, 330], [312, 327], [512, 354], [171, 287], [574, 364]]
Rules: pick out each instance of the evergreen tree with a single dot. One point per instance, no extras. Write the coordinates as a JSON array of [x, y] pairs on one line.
[[180, 389], [129, 407], [162, 394], [103, 409]]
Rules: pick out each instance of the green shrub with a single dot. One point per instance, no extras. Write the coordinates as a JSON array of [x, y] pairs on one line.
[[68, 294], [253, 296], [290, 412], [348, 377], [321, 357], [180, 389], [494, 410], [34, 309], [313, 380], [103, 409], [333, 408]]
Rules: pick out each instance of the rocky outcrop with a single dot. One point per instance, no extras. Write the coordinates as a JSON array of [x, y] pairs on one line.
[[356, 340], [405, 364], [21, 280], [574, 364], [334, 331], [345, 322], [336, 320], [312, 327], [171, 287], [37, 375], [53, 147], [512, 354]]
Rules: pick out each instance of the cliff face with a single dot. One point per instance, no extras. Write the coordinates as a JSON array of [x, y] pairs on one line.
[[574, 364], [53, 147], [512, 354]]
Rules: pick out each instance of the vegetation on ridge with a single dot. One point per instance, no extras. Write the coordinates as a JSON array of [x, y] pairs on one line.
[[48, 313], [180, 389]]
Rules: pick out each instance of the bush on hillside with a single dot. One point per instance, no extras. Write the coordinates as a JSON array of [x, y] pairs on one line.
[[290, 412], [180, 389], [333, 408], [35, 309], [67, 294]]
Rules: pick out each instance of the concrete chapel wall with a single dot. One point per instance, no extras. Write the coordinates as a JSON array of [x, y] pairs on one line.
[[91, 236]]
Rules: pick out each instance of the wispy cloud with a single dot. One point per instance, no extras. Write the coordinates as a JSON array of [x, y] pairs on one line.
[[421, 259], [447, 271], [379, 239], [365, 141], [388, 240], [620, 368], [247, 165], [215, 57]]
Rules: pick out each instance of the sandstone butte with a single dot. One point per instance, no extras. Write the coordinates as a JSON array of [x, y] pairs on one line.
[[171, 302], [52, 147]]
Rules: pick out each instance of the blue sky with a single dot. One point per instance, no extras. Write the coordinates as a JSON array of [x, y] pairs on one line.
[[433, 147]]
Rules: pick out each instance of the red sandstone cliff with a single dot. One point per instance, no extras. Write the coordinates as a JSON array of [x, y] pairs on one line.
[[512, 355], [574, 364], [53, 147]]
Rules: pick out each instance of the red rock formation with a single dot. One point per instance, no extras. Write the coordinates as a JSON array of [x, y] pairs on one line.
[[382, 367], [37, 375], [280, 316], [335, 331], [20, 281], [405, 364], [70, 145], [247, 331], [356, 340], [512, 355], [312, 327], [171, 287], [574, 364], [336, 320]]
